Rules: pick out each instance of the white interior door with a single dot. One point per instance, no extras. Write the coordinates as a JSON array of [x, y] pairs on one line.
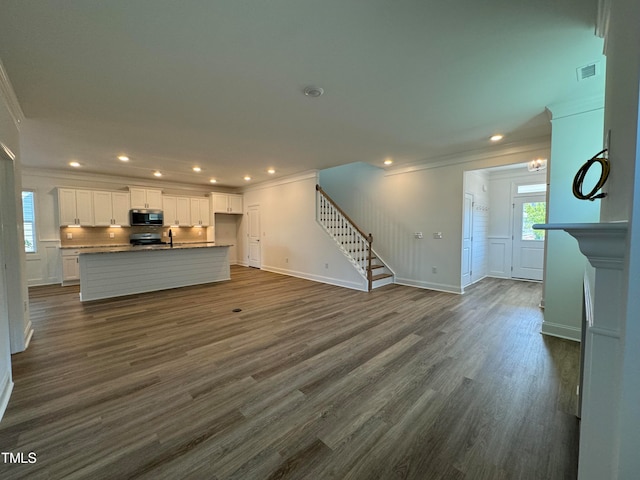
[[467, 239], [255, 252], [528, 244]]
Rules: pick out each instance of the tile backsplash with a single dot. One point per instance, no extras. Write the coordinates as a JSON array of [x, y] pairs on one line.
[[93, 236]]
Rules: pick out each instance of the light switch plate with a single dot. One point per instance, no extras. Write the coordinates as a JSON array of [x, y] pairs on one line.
[[437, 235]]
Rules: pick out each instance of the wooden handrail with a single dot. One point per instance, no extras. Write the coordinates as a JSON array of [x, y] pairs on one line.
[[368, 237]]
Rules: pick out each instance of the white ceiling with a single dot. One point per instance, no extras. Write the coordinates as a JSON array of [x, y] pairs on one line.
[[218, 83]]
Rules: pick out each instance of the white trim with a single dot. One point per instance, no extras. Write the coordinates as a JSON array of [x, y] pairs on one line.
[[10, 99], [575, 107], [561, 331], [317, 278], [515, 148], [6, 387], [306, 175], [439, 287]]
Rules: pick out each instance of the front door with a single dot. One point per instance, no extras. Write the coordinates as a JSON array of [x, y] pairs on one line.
[[528, 244], [255, 252]]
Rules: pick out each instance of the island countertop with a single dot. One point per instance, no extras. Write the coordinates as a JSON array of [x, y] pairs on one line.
[[147, 248]]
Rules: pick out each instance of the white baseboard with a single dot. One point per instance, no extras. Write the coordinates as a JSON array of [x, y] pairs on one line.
[[6, 387], [318, 278], [440, 287], [28, 334], [560, 331]]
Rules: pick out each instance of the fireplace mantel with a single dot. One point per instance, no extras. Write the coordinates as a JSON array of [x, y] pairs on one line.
[[605, 246]]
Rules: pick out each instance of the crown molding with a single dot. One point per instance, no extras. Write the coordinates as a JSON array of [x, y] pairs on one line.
[[602, 21], [9, 96], [296, 177], [575, 107], [515, 148]]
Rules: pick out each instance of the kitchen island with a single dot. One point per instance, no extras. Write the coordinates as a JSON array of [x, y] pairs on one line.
[[107, 272]]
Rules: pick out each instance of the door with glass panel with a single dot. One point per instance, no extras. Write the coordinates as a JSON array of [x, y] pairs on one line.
[[528, 244]]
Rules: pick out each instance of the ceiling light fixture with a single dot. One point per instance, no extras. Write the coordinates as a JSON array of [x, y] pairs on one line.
[[157, 174], [496, 138], [213, 180], [537, 164], [247, 178], [271, 171], [74, 164], [313, 92], [123, 158], [197, 169], [388, 161]]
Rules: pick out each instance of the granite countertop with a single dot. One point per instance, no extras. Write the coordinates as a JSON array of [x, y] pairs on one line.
[[144, 248]]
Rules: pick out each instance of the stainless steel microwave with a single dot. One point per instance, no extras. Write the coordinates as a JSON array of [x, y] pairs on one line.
[[146, 217]]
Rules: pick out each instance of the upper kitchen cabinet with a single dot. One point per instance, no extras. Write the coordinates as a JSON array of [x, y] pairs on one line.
[[110, 208], [226, 203], [75, 207], [145, 198], [200, 212], [177, 211]]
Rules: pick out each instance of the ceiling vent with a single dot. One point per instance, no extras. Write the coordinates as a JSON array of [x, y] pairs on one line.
[[588, 71]]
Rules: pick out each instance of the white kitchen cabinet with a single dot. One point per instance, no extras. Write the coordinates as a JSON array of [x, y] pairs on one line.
[[226, 203], [110, 208], [70, 267], [75, 207], [200, 212], [177, 210], [146, 198]]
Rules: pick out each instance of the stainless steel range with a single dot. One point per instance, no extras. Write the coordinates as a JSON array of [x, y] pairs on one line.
[[146, 239]]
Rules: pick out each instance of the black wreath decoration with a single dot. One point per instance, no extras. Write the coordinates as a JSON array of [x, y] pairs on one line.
[[582, 173]]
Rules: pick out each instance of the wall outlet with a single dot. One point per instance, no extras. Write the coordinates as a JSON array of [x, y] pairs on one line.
[[418, 235], [69, 236], [164, 234], [326, 265], [437, 235], [286, 260], [434, 269], [112, 235], [199, 233]]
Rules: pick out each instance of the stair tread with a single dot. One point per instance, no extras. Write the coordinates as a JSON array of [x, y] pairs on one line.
[[380, 276]]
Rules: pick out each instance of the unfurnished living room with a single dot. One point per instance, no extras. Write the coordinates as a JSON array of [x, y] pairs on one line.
[[319, 240]]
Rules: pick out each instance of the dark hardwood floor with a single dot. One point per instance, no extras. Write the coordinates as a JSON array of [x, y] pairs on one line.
[[308, 381]]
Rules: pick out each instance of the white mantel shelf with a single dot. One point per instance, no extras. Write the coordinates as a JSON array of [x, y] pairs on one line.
[[604, 244]]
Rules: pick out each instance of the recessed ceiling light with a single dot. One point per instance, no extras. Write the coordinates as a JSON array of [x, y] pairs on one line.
[[157, 174], [271, 171], [247, 178], [123, 158], [197, 169], [313, 92], [74, 164], [213, 180], [496, 138], [388, 161]]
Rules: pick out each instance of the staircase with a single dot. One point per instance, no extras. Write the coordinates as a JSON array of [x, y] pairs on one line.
[[352, 241]]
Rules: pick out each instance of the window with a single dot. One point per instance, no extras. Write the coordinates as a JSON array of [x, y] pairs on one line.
[[532, 213], [29, 218], [532, 188]]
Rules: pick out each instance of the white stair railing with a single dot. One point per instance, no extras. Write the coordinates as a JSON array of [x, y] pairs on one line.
[[355, 244]]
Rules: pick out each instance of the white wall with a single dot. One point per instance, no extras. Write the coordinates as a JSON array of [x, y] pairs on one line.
[[44, 266], [576, 137], [292, 242], [623, 203], [394, 205]]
